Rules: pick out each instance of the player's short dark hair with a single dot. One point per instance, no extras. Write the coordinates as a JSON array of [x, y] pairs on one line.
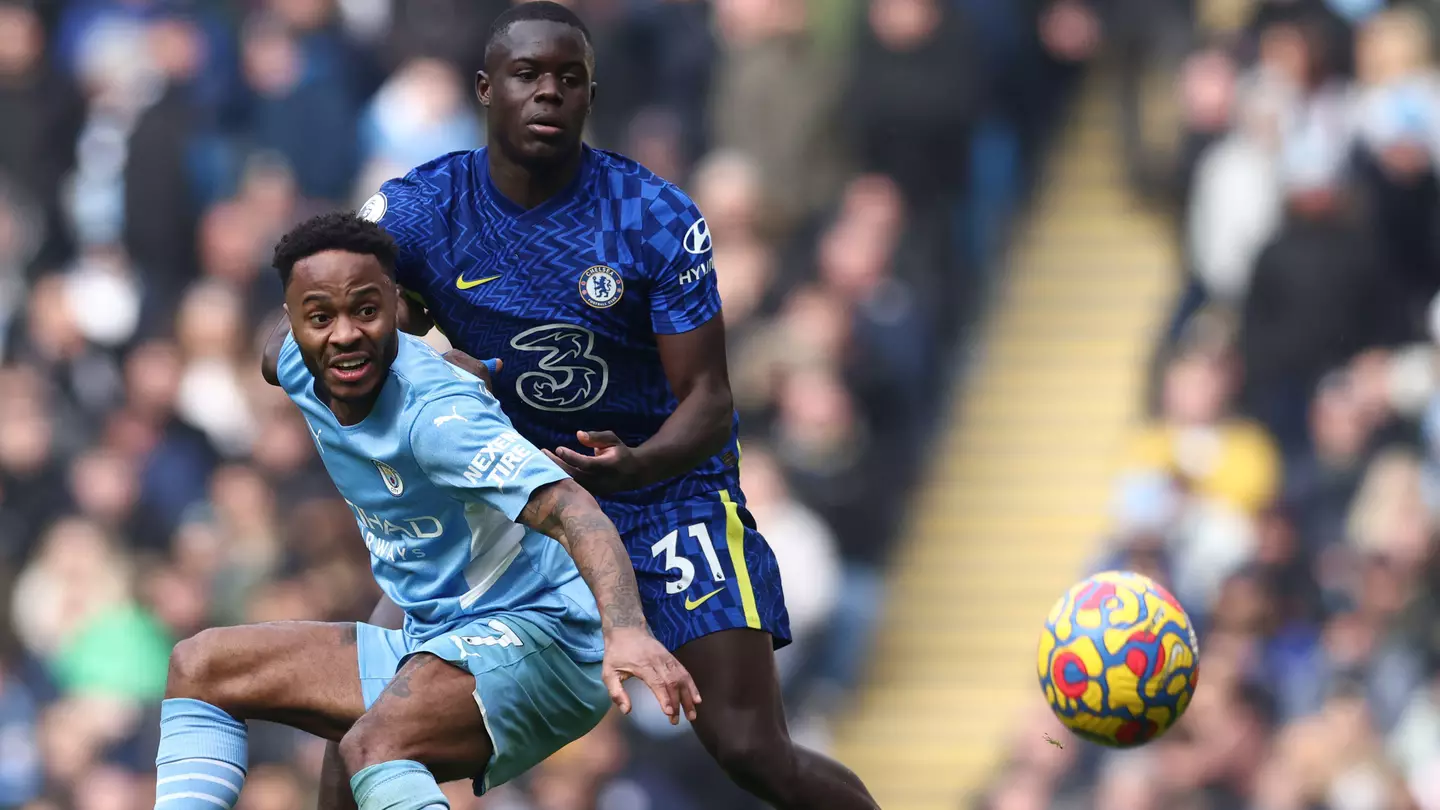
[[337, 230], [538, 10]]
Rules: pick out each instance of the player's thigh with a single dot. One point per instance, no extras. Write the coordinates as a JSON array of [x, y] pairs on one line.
[[703, 567], [743, 714], [426, 713], [302, 674], [489, 701]]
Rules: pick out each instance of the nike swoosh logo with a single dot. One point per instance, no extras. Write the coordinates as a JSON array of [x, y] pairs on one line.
[[461, 283], [691, 604]]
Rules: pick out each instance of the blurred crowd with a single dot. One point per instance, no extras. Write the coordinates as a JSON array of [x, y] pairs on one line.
[[858, 161], [1287, 485]]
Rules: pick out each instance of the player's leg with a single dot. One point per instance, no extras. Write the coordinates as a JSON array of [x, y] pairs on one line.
[[424, 728], [488, 702], [302, 674], [711, 587], [743, 727], [335, 792]]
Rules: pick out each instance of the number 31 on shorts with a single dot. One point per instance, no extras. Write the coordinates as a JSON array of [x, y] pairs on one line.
[[673, 561]]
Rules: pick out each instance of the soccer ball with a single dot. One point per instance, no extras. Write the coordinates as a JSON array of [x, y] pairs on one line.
[[1118, 659]]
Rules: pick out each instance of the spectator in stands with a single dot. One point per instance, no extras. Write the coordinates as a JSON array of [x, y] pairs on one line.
[[304, 104], [1318, 294], [32, 489], [1199, 440], [1323, 480], [1398, 118], [771, 68], [44, 111], [729, 187], [917, 80], [424, 110], [1235, 202], [888, 358], [160, 188]]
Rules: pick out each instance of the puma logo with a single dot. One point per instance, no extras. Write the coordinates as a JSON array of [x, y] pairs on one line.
[[453, 416]]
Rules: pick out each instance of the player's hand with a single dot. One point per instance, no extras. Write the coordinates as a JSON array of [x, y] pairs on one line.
[[411, 316], [485, 370], [614, 467], [631, 652]]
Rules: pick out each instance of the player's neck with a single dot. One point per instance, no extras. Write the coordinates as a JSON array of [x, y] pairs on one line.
[[530, 186], [349, 412]]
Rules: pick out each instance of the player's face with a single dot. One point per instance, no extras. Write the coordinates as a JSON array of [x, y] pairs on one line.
[[537, 89], [342, 312]]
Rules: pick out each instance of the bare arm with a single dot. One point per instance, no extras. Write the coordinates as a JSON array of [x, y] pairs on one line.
[[696, 367], [698, 428], [270, 357], [566, 512]]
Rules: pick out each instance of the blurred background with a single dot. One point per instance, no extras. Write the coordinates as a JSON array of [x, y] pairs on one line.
[[1015, 289]]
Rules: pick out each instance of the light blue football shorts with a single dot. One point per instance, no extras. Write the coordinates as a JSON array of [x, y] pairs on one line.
[[534, 698]]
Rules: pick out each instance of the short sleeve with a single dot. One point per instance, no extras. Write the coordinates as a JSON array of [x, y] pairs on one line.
[[290, 368], [465, 446], [404, 209], [683, 293]]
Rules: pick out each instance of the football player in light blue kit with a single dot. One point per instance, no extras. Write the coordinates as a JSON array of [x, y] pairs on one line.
[[522, 615]]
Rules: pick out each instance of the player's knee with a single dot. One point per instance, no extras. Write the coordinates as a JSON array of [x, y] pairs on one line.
[[191, 663], [198, 669], [369, 742], [757, 758]]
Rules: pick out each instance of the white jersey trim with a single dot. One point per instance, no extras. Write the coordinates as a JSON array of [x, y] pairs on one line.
[[495, 542]]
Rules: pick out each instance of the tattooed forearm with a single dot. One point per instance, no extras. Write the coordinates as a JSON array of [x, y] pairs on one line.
[[566, 512]]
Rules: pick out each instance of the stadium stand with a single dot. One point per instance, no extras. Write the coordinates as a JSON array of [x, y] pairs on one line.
[[1018, 488], [1282, 484], [859, 163]]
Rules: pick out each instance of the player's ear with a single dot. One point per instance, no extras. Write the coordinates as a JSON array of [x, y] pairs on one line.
[[482, 87], [594, 91]]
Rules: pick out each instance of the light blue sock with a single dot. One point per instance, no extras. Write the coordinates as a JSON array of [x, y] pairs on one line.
[[202, 758], [398, 785]]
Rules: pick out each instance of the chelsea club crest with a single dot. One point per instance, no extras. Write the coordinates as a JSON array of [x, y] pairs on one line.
[[374, 208], [390, 477], [601, 286]]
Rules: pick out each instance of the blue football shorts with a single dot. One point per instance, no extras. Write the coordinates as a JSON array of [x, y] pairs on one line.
[[702, 567], [533, 696]]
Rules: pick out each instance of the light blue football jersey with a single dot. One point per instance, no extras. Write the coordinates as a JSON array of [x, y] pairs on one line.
[[436, 476]]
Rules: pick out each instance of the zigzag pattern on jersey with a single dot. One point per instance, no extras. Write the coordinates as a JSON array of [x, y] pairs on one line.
[[567, 365]]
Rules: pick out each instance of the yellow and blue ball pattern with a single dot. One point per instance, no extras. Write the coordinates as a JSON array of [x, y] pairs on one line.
[[1118, 659]]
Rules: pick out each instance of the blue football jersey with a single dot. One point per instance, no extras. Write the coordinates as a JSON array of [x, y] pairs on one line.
[[570, 294], [436, 476]]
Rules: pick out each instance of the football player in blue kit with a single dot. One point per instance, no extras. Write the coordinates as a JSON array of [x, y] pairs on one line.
[[592, 280], [521, 611]]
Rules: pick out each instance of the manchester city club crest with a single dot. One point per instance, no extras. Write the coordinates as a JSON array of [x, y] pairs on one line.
[[390, 477], [601, 286]]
